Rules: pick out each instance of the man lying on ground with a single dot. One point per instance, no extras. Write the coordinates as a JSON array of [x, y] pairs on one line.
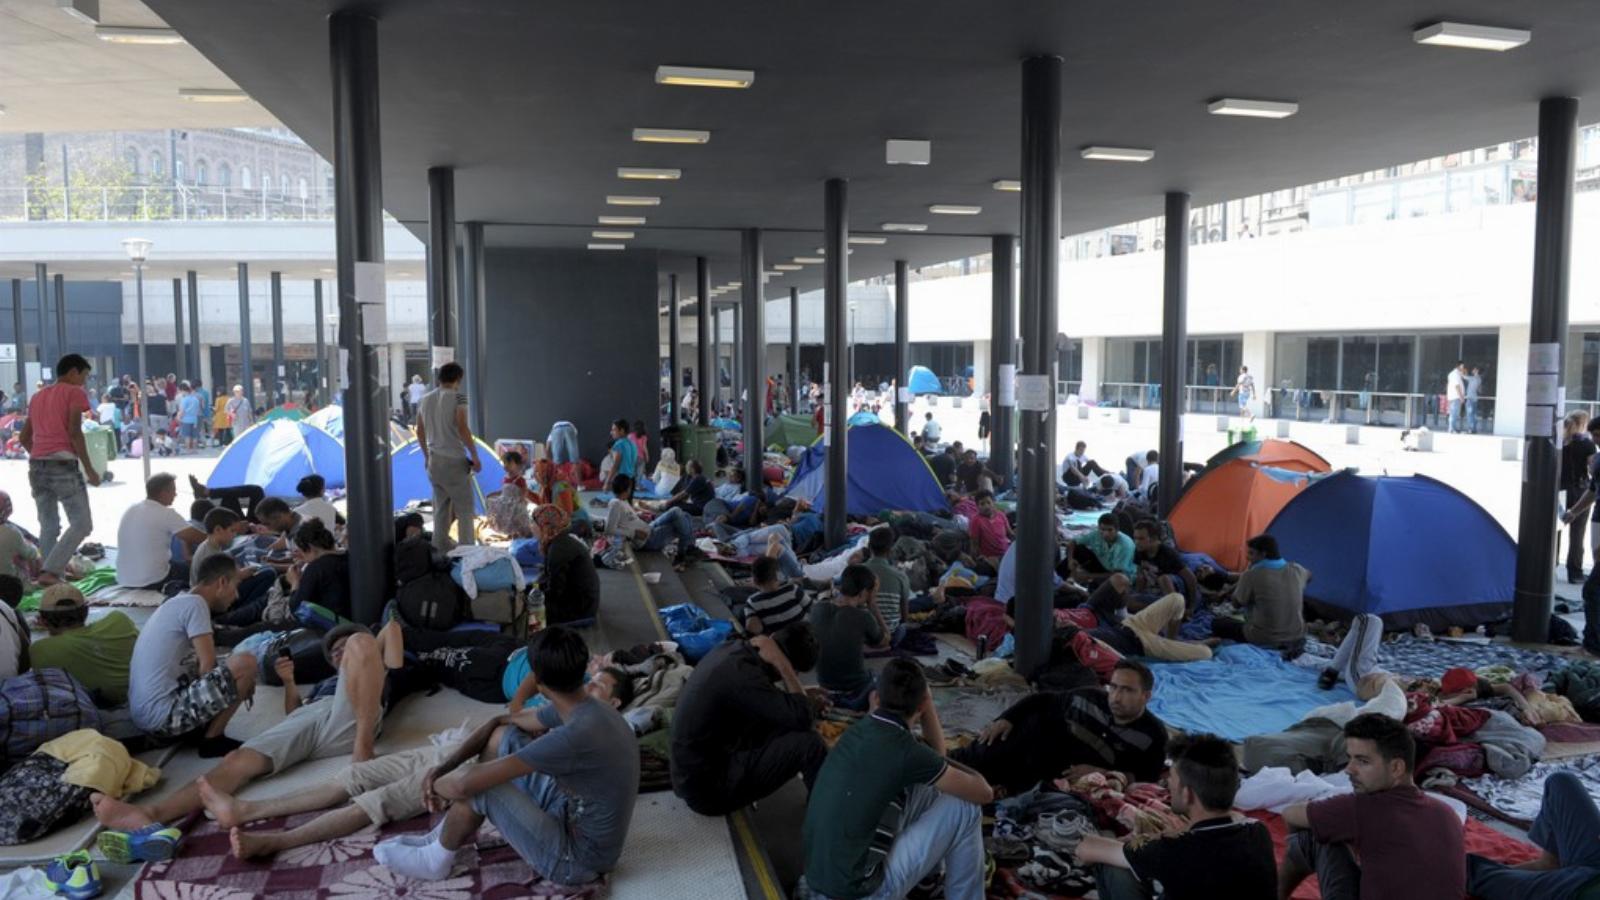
[[1216, 856], [1146, 632], [743, 724], [341, 717], [1567, 829], [1047, 735], [1272, 594], [845, 627], [96, 654], [1317, 742], [559, 782], [1388, 839]]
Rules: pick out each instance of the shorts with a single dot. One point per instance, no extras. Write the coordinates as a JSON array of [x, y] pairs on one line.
[[1244, 402], [187, 429], [389, 788], [317, 730], [199, 700]]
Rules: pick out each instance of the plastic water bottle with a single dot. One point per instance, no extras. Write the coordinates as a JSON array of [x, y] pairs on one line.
[[535, 608]]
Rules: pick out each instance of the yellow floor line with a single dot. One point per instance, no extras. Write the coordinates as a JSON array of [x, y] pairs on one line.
[[758, 859], [644, 597]]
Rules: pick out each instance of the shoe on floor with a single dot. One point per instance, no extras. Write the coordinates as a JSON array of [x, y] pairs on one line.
[[75, 876], [152, 843], [1328, 679]]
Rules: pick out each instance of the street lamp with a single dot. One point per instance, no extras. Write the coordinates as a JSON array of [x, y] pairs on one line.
[[138, 249], [329, 366]]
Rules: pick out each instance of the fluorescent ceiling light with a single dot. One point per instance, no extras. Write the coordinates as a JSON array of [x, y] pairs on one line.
[[788, 267], [213, 95], [670, 136], [1259, 109], [867, 239], [637, 173], [904, 226], [608, 247], [621, 200], [954, 209], [612, 235], [809, 260], [87, 11], [907, 153], [1007, 184], [694, 76], [1118, 154], [2, 110], [1472, 37], [129, 34], [733, 284], [823, 251], [621, 220], [774, 274]]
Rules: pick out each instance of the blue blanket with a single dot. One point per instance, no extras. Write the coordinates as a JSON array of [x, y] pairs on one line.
[[1242, 691]]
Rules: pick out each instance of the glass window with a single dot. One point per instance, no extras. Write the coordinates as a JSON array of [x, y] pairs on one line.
[[225, 175], [244, 178], [1322, 363], [131, 157], [177, 170], [1396, 355], [1481, 352], [305, 189], [1359, 371], [158, 168], [283, 185]]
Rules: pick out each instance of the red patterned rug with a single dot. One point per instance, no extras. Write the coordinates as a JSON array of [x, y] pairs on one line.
[[341, 869]]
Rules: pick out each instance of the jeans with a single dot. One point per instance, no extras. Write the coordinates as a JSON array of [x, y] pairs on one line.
[[1472, 414], [1455, 416], [537, 818], [563, 443], [1568, 826], [59, 481], [674, 523], [251, 603], [934, 828], [1338, 874], [754, 543], [1576, 534]]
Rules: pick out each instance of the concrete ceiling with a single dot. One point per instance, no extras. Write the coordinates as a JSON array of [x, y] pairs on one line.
[[55, 75], [534, 103]]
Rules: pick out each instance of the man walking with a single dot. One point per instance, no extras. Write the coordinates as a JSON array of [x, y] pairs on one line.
[[1245, 389], [1474, 384], [450, 455], [53, 437], [1455, 388]]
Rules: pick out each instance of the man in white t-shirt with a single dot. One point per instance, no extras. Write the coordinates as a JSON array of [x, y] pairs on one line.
[[144, 538], [1455, 389], [931, 432], [1245, 389], [415, 392]]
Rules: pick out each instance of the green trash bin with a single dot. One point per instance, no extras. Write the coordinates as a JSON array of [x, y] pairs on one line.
[[102, 446], [700, 442], [1240, 435]]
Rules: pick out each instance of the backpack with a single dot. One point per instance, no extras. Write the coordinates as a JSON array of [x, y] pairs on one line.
[[427, 597], [305, 648], [39, 706]]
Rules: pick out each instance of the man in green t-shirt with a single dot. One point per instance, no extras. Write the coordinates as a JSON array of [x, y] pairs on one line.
[[96, 653], [887, 809]]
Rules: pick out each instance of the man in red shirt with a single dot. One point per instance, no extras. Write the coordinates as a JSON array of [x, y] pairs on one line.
[[53, 437]]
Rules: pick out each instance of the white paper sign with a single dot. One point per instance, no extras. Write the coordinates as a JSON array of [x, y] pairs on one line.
[[1544, 358], [282, 371], [1033, 392], [442, 355], [343, 375], [905, 395], [375, 324], [1542, 389], [1539, 421], [1007, 388], [383, 363]]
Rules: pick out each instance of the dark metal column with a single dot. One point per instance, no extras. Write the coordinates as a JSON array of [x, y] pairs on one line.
[[1002, 372], [179, 350], [1552, 253], [324, 387], [470, 332], [358, 222], [674, 399], [194, 329], [1174, 349], [41, 277], [705, 367], [16, 329], [1041, 247], [902, 346], [836, 352], [794, 350], [61, 313], [441, 263], [737, 388], [246, 377], [754, 340], [278, 370]]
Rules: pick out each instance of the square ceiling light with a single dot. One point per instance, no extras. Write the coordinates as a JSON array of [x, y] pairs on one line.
[[1007, 184], [1471, 37], [694, 76], [639, 173], [670, 136], [954, 209], [607, 247], [907, 153], [904, 226], [603, 235], [1118, 154], [129, 34], [1257, 109], [213, 95], [622, 200], [621, 220]]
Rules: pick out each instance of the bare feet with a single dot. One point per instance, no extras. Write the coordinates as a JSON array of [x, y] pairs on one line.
[[116, 814], [249, 846], [228, 811]]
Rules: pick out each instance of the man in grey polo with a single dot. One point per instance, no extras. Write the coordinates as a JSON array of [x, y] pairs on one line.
[[450, 454]]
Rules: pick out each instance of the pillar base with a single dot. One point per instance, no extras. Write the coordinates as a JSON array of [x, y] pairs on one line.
[[1510, 449], [1530, 616], [1352, 434], [1283, 428]]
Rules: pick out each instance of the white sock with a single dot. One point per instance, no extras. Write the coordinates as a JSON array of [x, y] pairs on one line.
[[418, 856]]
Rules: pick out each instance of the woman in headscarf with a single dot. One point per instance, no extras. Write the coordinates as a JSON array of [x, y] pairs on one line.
[[18, 555], [570, 583]]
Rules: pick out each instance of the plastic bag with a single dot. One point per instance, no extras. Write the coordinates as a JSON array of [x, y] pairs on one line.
[[696, 633]]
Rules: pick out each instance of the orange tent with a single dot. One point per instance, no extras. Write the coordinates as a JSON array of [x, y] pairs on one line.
[[1230, 503], [1271, 452]]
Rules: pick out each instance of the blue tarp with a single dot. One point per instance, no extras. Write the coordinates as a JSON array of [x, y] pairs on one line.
[[863, 417], [885, 471], [726, 424], [923, 381], [1409, 549], [411, 477], [276, 455], [1241, 691]]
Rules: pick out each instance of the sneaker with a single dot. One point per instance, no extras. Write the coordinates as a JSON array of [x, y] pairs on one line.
[[75, 875], [152, 843], [1328, 679]]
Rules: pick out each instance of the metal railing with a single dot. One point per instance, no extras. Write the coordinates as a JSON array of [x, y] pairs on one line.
[[1379, 408], [160, 202]]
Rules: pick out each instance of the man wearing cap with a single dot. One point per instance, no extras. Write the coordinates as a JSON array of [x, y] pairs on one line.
[[95, 653], [341, 716]]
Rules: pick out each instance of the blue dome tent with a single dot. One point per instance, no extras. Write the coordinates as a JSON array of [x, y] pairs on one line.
[[885, 472], [863, 417], [411, 483], [331, 420], [276, 455], [923, 381], [1408, 549]]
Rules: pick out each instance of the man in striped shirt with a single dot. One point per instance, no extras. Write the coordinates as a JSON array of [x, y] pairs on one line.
[[775, 603]]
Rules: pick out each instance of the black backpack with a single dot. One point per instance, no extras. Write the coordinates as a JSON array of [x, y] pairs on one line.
[[427, 597]]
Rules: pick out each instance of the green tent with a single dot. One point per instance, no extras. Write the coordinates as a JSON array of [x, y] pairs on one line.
[[788, 431], [291, 412]]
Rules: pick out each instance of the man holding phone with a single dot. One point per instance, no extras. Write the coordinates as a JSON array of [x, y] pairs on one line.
[[450, 454]]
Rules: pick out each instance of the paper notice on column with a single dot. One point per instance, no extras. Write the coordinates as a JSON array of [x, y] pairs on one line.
[[1544, 358], [905, 395], [1006, 390], [372, 300], [1539, 421], [442, 355], [383, 364], [1542, 390], [342, 377], [1033, 393]]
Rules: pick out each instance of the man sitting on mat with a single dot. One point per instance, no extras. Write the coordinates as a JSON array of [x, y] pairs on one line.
[[846, 627], [1272, 594], [342, 716], [1101, 553]]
